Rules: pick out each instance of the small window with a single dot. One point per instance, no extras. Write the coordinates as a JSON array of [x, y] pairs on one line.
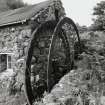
[[9, 61], [5, 62]]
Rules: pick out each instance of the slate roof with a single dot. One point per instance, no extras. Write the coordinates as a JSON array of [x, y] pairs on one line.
[[21, 14]]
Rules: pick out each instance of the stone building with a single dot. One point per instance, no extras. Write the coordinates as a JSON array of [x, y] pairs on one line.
[[16, 28]]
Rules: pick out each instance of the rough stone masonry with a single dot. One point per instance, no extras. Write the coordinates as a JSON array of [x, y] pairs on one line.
[[16, 35]]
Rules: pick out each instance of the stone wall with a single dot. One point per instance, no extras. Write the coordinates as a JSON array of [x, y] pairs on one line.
[[14, 40]]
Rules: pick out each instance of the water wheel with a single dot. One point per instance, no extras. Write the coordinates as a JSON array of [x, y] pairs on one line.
[[50, 56]]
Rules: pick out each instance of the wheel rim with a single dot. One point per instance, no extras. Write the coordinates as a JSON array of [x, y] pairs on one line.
[[67, 32], [36, 63], [48, 44]]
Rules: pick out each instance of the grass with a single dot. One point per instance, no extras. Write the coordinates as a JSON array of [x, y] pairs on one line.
[[5, 97]]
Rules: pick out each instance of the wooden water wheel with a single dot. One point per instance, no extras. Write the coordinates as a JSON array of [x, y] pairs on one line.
[[50, 56]]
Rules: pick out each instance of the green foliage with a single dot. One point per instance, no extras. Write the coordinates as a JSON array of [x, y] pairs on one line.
[[82, 29], [99, 12], [99, 23], [99, 9], [13, 4], [10, 4]]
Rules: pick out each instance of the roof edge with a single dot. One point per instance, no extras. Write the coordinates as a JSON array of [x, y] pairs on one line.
[[22, 21], [57, 4]]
